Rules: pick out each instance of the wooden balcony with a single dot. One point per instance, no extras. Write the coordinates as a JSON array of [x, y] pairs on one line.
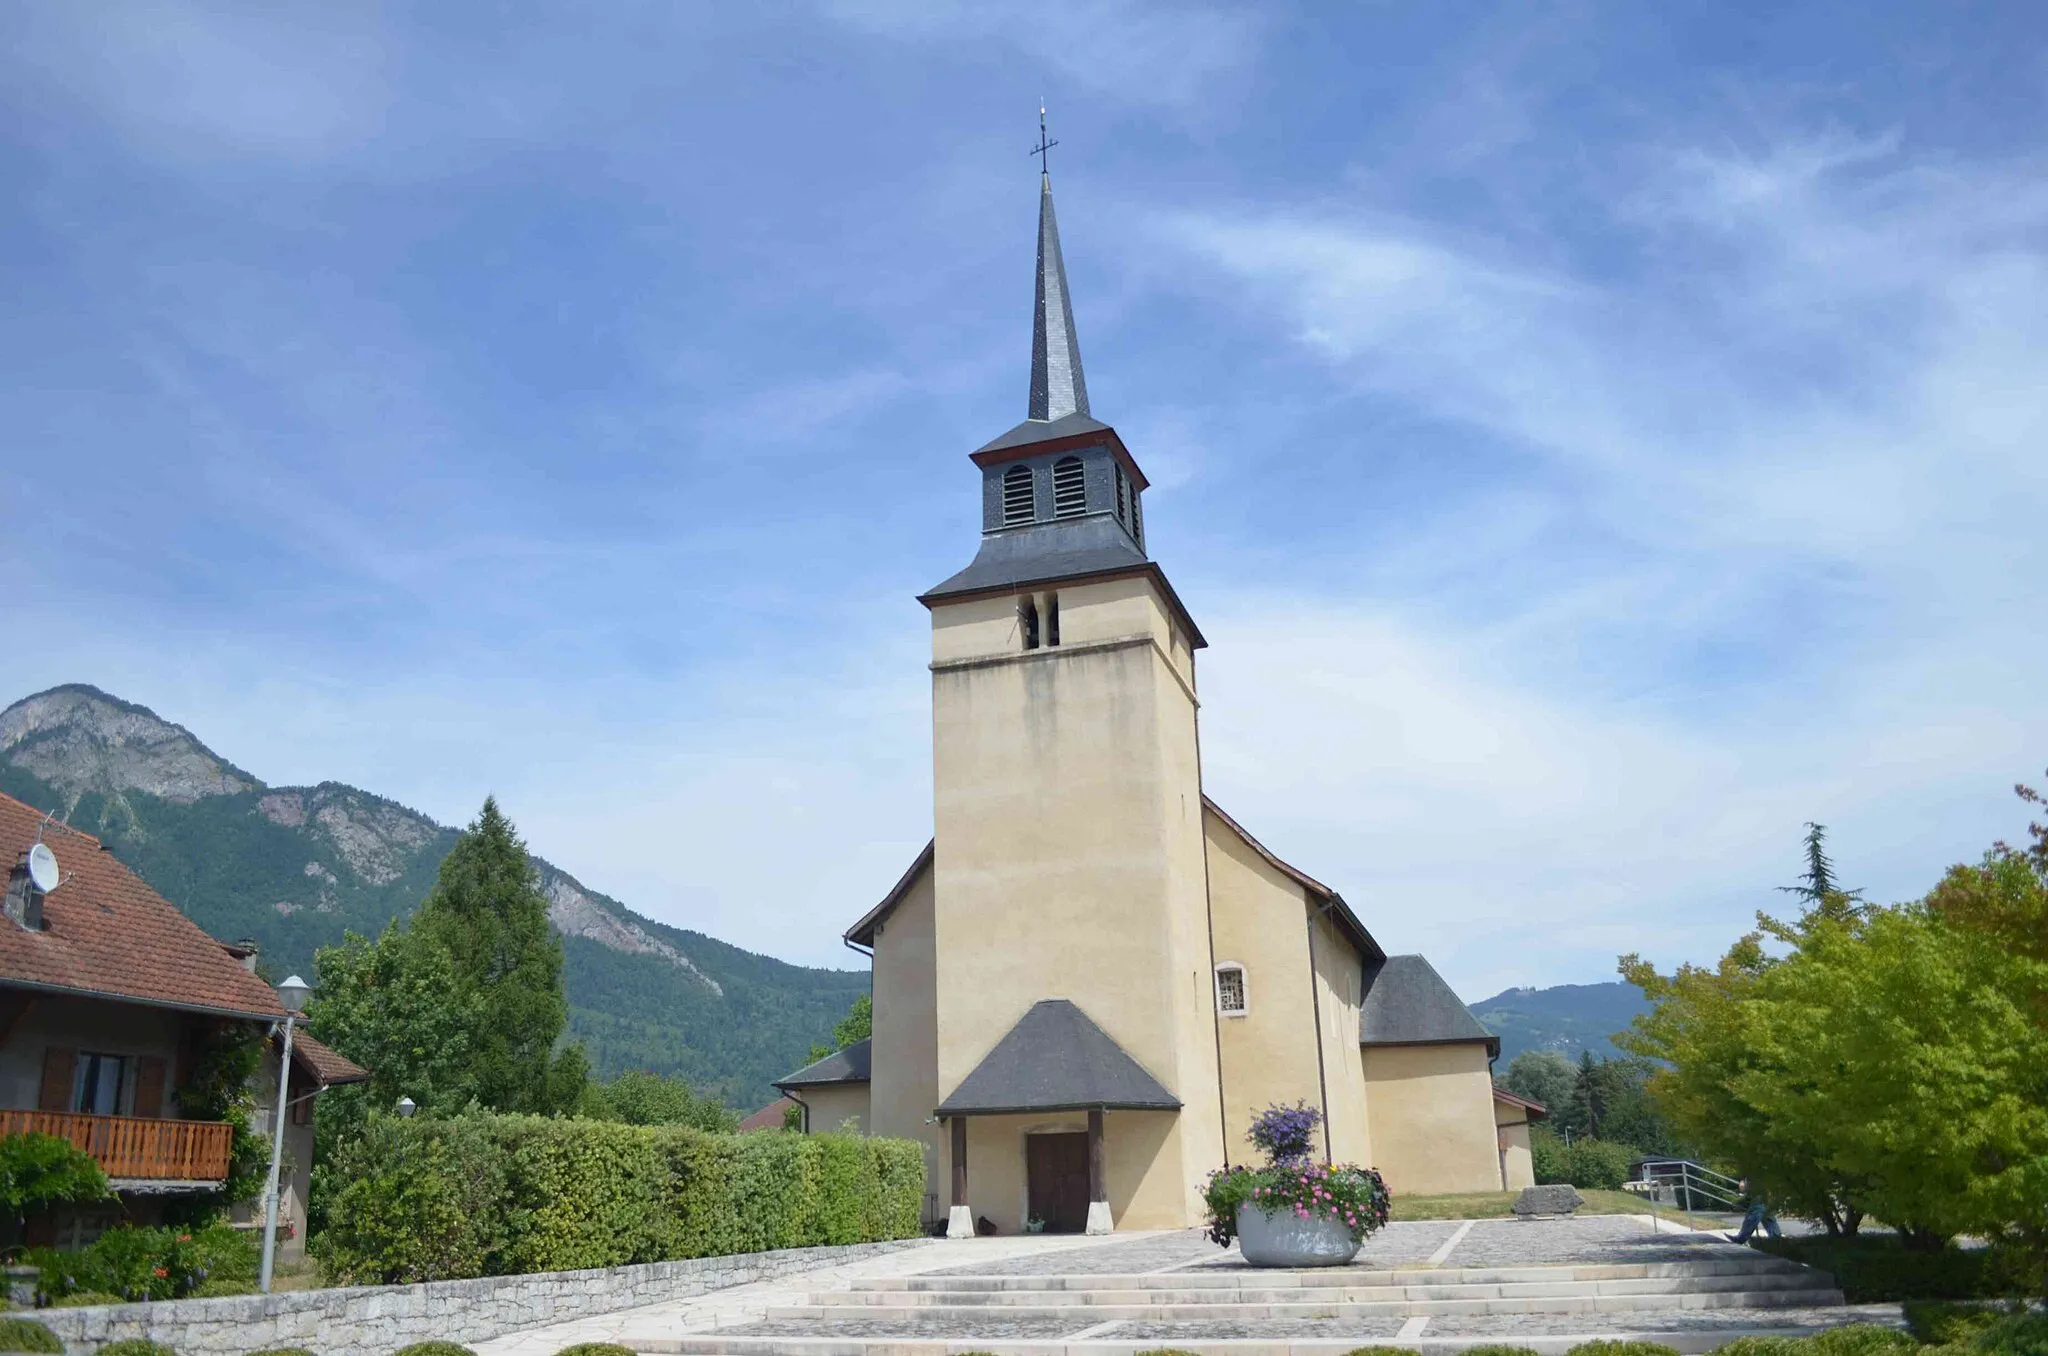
[[131, 1147]]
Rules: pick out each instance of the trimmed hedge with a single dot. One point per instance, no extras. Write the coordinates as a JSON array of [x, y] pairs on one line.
[[489, 1195]]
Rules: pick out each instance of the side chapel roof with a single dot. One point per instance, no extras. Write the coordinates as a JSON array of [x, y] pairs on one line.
[[1406, 1002], [853, 1064]]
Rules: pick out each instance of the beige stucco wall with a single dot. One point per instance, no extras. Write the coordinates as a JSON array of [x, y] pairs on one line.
[[1262, 923], [1339, 976], [905, 1086], [1431, 1114], [1140, 1197], [832, 1106], [1070, 861], [1517, 1167]]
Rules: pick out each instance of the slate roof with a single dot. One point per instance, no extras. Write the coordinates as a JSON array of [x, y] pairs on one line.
[[1061, 549], [862, 933], [1406, 1002], [1056, 1059], [1044, 431], [330, 1068], [109, 935], [851, 1065]]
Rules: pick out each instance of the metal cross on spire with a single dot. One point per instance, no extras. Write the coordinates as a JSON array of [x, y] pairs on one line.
[[1044, 145]]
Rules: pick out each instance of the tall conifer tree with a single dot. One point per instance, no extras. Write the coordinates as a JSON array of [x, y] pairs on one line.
[[488, 915]]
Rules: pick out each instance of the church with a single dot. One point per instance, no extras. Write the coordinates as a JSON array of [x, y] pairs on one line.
[[1093, 977]]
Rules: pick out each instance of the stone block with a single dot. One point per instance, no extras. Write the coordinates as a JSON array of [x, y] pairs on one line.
[[1539, 1201]]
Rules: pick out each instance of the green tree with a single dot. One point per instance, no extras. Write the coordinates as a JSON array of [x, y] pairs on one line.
[[641, 1098], [487, 913], [38, 1170], [1541, 1076], [856, 1026], [1586, 1108], [393, 1006]]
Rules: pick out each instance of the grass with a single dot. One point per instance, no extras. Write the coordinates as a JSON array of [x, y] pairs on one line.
[[1499, 1205]]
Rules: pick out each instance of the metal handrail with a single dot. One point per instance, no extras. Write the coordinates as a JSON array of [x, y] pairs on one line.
[[1682, 1182]]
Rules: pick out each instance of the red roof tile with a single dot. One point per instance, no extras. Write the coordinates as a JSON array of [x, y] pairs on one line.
[[109, 934], [768, 1117], [328, 1067]]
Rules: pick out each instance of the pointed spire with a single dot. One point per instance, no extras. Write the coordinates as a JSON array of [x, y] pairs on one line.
[[1057, 387]]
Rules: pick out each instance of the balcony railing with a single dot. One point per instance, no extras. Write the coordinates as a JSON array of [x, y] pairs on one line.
[[129, 1146]]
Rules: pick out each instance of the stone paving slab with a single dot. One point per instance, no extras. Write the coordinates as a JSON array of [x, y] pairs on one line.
[[1590, 1238]]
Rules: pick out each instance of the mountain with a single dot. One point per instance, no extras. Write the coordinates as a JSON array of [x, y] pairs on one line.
[[293, 867], [1566, 1018]]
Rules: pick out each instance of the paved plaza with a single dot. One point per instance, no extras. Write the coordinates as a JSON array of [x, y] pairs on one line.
[[1032, 1296]]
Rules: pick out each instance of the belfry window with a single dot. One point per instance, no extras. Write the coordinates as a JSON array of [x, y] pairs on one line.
[[1018, 507], [1027, 621], [1232, 998], [1069, 488], [1052, 619], [1123, 497], [1137, 522]]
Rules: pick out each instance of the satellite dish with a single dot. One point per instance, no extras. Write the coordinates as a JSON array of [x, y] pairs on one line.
[[42, 868]]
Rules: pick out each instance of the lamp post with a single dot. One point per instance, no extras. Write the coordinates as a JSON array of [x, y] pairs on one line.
[[293, 993], [406, 1106]]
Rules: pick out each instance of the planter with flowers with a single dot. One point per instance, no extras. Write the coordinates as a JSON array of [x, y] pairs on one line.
[[1294, 1212]]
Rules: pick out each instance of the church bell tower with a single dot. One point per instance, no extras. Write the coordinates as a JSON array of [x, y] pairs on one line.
[[1070, 876]]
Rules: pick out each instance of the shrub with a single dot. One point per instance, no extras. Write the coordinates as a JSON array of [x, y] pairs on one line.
[[85, 1299], [1859, 1339], [1616, 1347], [487, 1194], [25, 1334], [434, 1349], [131, 1264], [596, 1349], [1549, 1158], [1941, 1323], [1499, 1349], [2014, 1334], [136, 1346], [1597, 1165], [38, 1170], [1383, 1351], [283, 1351], [1760, 1346], [1879, 1269]]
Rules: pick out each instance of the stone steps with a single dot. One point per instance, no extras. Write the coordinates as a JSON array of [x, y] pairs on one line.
[[1239, 1313], [1547, 1344], [1222, 1278], [1320, 1296]]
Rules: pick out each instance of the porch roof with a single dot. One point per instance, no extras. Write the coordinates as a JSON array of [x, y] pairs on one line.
[[1057, 1059]]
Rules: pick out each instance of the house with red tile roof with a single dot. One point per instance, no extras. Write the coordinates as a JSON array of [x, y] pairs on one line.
[[110, 999]]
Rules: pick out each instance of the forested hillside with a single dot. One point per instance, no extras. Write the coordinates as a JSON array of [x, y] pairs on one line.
[[294, 867]]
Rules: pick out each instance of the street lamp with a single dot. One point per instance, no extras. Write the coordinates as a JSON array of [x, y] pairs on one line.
[[406, 1106], [293, 994]]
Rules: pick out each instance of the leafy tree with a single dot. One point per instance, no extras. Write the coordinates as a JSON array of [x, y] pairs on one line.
[[1541, 1076], [393, 1006], [487, 913], [650, 1099], [856, 1026], [38, 1170]]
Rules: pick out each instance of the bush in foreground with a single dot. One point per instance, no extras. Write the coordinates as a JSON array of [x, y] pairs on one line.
[[597, 1349], [130, 1264], [25, 1334], [1622, 1348], [136, 1346], [435, 1349]]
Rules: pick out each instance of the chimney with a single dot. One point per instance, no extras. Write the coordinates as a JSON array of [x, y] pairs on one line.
[[24, 903], [246, 951]]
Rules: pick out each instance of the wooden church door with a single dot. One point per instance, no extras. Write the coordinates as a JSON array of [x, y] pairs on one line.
[[1056, 1181]]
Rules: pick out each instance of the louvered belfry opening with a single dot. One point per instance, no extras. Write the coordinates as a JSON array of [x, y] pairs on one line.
[[1018, 508], [1069, 488]]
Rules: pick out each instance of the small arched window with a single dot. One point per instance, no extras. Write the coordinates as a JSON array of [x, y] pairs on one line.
[[1018, 507], [1069, 488], [1233, 998], [1027, 621]]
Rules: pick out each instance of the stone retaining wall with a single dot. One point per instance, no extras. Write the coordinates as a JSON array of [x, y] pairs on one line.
[[377, 1320]]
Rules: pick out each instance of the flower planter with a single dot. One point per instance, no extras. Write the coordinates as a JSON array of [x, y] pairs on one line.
[[1281, 1238]]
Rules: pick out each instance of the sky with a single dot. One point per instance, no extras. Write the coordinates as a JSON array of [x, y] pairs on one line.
[[1595, 438]]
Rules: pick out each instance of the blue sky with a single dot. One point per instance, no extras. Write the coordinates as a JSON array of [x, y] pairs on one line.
[[1595, 438]]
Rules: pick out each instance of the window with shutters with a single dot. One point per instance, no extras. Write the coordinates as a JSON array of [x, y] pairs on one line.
[[1137, 521], [1069, 488], [1231, 995], [1018, 508], [100, 1081], [1123, 497]]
